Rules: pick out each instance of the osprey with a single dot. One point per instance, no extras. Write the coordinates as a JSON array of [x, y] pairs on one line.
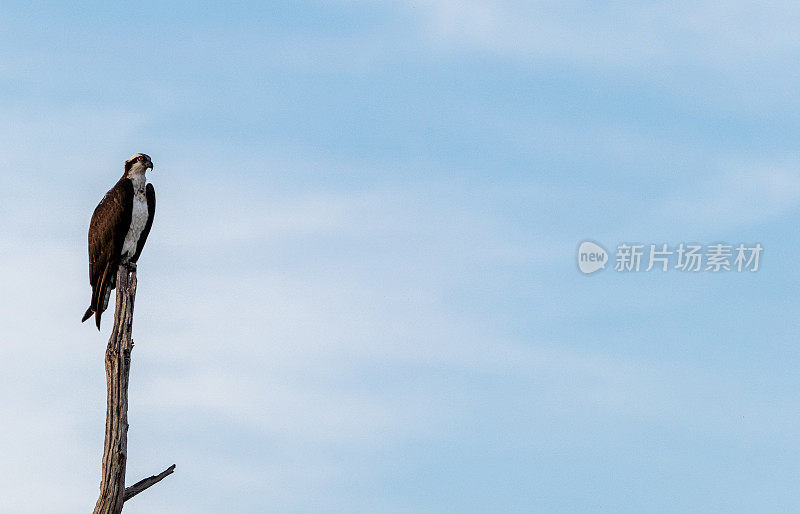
[[118, 230]]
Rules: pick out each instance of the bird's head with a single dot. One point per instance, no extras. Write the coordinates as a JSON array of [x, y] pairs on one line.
[[138, 163]]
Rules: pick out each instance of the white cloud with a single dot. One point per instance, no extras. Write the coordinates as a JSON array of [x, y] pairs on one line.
[[742, 196], [306, 362], [314, 321], [620, 33]]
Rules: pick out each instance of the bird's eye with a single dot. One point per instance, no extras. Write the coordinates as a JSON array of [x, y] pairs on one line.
[[141, 159]]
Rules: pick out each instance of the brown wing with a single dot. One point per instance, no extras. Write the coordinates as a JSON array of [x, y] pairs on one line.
[[109, 226], [151, 212]]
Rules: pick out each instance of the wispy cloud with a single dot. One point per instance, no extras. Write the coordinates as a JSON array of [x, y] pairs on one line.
[[360, 294], [739, 197], [617, 34]]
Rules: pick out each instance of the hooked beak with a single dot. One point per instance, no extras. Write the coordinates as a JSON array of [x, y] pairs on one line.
[[149, 164]]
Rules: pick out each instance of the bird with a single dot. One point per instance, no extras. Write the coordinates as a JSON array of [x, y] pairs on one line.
[[118, 230]]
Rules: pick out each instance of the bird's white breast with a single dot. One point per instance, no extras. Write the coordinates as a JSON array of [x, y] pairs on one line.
[[138, 219]]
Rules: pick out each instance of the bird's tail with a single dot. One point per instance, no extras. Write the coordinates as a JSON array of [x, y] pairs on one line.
[[98, 313], [92, 305], [100, 294]]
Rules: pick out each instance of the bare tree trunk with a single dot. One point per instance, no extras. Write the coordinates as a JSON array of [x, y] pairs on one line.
[[118, 360]]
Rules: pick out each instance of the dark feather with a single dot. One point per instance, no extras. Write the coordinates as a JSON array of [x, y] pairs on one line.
[[107, 230]]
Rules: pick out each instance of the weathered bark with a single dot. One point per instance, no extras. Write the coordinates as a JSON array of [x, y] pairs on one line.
[[143, 484], [118, 360]]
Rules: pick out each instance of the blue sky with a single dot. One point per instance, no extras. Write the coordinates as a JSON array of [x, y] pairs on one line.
[[360, 293]]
